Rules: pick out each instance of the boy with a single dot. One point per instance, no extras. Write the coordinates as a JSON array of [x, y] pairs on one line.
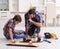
[[8, 29], [33, 23]]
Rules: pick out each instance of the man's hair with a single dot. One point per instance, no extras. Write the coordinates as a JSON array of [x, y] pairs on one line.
[[17, 18], [34, 8], [31, 11]]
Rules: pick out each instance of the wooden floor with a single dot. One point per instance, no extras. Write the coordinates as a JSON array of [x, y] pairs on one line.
[[44, 45]]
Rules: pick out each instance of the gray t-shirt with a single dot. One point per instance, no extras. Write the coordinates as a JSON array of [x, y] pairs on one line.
[[9, 24]]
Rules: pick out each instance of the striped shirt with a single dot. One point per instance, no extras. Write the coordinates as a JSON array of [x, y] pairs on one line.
[[9, 24]]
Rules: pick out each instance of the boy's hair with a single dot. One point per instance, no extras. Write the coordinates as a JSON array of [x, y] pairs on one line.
[[17, 18], [31, 11]]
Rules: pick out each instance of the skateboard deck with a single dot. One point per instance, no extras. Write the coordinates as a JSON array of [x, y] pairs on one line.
[[23, 44]]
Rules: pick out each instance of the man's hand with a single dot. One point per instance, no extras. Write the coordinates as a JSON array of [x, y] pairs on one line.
[[30, 20], [35, 23]]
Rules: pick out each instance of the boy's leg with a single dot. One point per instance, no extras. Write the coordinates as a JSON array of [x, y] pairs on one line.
[[7, 37], [17, 36]]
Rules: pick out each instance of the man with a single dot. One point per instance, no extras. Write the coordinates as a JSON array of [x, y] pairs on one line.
[[33, 23]]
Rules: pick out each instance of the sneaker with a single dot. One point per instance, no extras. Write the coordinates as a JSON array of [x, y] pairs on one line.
[[24, 39], [28, 40], [39, 39]]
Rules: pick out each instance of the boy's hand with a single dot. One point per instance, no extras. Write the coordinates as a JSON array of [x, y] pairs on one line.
[[17, 32], [13, 41]]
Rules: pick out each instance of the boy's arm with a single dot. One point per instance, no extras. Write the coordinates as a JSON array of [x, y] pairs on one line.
[[10, 33]]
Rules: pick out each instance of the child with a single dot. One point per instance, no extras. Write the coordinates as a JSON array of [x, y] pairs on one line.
[[8, 29]]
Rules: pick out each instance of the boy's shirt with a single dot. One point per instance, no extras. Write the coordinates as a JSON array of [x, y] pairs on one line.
[[9, 24]]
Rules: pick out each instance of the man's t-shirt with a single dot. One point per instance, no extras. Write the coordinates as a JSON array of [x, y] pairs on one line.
[[9, 24]]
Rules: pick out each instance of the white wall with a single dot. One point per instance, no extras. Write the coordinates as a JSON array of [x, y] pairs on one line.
[[51, 12], [24, 4]]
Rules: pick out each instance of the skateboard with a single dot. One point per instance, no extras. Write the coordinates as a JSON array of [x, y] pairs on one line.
[[26, 44]]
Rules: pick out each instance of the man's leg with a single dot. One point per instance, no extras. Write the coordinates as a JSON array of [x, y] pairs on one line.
[[38, 36], [30, 33]]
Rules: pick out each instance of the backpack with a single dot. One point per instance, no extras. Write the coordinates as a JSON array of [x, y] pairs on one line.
[[50, 35], [47, 35]]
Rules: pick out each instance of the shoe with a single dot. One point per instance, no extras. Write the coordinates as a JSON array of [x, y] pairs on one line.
[[24, 39], [39, 39], [28, 40]]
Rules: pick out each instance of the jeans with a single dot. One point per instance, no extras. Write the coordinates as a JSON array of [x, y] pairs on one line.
[[17, 36]]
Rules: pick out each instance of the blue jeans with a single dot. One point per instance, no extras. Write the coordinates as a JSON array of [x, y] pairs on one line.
[[17, 36]]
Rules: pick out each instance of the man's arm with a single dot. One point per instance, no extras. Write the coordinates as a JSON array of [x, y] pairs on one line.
[[26, 29], [38, 24], [26, 24]]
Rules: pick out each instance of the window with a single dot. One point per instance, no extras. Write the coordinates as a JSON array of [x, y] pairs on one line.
[[58, 6], [4, 5], [51, 1], [57, 2]]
